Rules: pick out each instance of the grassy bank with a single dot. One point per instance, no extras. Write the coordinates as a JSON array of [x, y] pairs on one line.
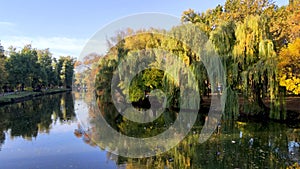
[[27, 95]]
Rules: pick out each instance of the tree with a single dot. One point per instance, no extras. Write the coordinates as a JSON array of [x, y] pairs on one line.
[[22, 68], [3, 73], [66, 71], [1, 51], [293, 20], [35, 68], [238, 10], [55, 80], [86, 71], [242, 33], [284, 25], [254, 53], [46, 69], [247, 35], [289, 66]]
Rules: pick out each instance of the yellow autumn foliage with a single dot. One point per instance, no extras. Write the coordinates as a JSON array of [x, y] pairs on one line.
[[289, 67]]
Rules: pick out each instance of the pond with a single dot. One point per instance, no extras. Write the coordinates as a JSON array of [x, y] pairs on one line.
[[50, 132]]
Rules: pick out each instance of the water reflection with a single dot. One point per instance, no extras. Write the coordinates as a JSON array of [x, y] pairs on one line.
[[234, 145], [2, 138], [50, 123], [33, 117]]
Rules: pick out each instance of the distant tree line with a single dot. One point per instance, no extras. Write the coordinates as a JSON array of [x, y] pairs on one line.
[[34, 69]]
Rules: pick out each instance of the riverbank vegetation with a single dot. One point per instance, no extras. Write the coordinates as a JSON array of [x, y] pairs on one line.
[[256, 41], [31, 69], [15, 97]]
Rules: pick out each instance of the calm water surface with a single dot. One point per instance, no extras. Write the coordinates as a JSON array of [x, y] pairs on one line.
[[46, 133]]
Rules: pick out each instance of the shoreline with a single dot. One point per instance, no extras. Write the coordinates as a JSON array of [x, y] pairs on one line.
[[292, 109], [28, 95]]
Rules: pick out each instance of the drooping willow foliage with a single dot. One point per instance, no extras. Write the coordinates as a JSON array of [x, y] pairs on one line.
[[247, 55], [151, 49], [187, 59], [257, 41], [250, 60], [256, 58], [247, 43]]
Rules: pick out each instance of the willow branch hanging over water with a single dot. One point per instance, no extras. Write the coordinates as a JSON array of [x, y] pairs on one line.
[[247, 44]]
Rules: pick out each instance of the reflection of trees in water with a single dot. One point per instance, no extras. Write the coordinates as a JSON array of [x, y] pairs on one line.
[[66, 112], [101, 134], [259, 146], [237, 145], [84, 135], [29, 118], [2, 139]]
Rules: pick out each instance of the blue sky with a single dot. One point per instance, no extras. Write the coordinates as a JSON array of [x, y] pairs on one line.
[[64, 26]]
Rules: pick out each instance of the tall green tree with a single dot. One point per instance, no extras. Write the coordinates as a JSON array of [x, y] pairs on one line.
[[3, 73], [22, 67], [46, 69], [36, 68], [55, 80], [66, 70]]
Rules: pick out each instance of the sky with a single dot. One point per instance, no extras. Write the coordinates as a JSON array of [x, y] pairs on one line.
[[65, 26]]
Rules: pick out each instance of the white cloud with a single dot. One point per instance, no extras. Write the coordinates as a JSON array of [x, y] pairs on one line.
[[59, 46], [6, 23]]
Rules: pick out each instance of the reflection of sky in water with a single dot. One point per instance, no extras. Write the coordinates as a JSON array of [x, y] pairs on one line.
[[62, 149], [81, 110], [293, 146], [294, 150], [58, 149]]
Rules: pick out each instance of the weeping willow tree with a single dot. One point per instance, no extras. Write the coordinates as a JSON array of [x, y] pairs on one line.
[[223, 38], [249, 58], [139, 49], [193, 46], [247, 34], [245, 48], [255, 61]]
